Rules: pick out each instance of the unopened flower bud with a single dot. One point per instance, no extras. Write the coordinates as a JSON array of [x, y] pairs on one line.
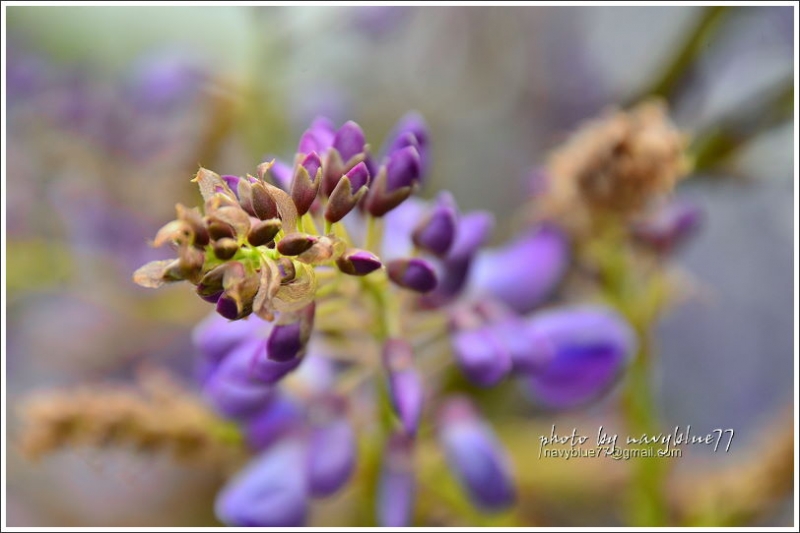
[[264, 205], [475, 455], [347, 193], [289, 336], [306, 182], [225, 248], [349, 141], [436, 232], [355, 262], [263, 232], [403, 169], [296, 243], [414, 274]]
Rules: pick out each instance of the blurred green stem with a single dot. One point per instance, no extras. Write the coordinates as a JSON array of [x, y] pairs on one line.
[[696, 41], [637, 293]]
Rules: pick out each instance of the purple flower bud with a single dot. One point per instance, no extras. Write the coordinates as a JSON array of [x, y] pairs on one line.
[[280, 416], [296, 243], [227, 308], [349, 140], [473, 231], [397, 484], [413, 274], [525, 272], [481, 355], [215, 337], [271, 491], [284, 342], [411, 130], [289, 336], [306, 182], [357, 262], [331, 456], [437, 231], [579, 354], [669, 227], [405, 383], [347, 193], [318, 137], [403, 169], [475, 455], [358, 176], [233, 390]]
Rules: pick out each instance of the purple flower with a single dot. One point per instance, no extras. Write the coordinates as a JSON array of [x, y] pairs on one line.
[[403, 169], [397, 484], [524, 272], [289, 336], [281, 415], [358, 262], [473, 231], [349, 141], [437, 231], [215, 337], [331, 455], [669, 227], [483, 358], [405, 383], [318, 137], [411, 130], [475, 456], [413, 274], [233, 389], [270, 492], [579, 354]]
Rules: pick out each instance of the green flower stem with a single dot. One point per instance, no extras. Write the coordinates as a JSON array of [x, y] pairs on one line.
[[638, 294], [693, 46], [374, 233]]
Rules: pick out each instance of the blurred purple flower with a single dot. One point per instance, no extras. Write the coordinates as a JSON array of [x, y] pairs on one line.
[[475, 456], [271, 491]]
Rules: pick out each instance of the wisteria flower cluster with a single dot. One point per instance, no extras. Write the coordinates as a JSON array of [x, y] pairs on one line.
[[341, 300]]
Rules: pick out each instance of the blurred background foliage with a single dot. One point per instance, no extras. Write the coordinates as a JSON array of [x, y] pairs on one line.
[[111, 110]]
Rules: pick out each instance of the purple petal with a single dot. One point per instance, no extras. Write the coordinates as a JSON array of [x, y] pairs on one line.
[[397, 484], [475, 455], [358, 176], [281, 415], [437, 231], [670, 226], [312, 164], [481, 355], [282, 174], [525, 272], [270, 492], [414, 274], [411, 130], [349, 140], [582, 352], [403, 169], [233, 390], [331, 457], [215, 336], [285, 342]]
